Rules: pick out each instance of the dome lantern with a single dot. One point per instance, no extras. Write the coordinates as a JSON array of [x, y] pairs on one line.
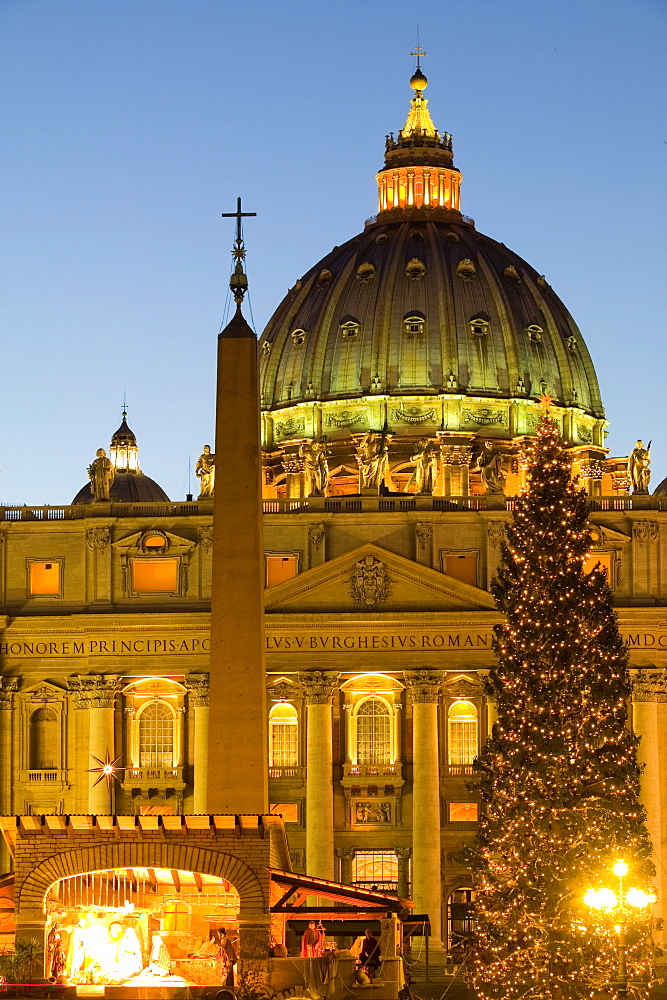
[[124, 451], [419, 173], [129, 484]]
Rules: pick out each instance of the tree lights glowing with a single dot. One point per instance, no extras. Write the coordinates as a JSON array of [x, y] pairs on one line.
[[559, 779]]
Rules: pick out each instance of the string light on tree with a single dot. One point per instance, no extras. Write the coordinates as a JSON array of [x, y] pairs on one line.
[[558, 777]]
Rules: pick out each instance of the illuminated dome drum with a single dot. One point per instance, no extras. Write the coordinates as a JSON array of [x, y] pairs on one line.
[[422, 328]]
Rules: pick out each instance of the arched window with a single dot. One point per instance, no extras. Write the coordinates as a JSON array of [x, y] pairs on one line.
[[373, 732], [44, 739], [156, 736], [283, 736], [462, 732]]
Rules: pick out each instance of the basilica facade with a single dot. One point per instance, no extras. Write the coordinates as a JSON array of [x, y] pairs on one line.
[[400, 385]]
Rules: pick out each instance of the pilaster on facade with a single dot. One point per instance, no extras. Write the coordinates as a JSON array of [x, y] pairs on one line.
[[197, 688], [8, 687], [319, 686], [424, 686], [94, 690], [649, 686]]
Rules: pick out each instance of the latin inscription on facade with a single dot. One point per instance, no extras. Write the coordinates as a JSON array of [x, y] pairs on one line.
[[324, 639]]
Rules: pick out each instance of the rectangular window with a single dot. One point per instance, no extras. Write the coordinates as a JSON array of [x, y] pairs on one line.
[[45, 578], [155, 576], [280, 568], [604, 558], [375, 868], [284, 746], [461, 565], [288, 810], [462, 812]]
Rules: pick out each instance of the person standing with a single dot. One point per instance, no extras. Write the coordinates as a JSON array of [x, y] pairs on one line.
[[369, 956]]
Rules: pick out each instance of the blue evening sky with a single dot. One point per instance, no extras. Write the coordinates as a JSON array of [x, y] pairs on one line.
[[128, 126]]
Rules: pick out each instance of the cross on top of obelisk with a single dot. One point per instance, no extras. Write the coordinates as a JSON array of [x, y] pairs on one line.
[[239, 280], [239, 250]]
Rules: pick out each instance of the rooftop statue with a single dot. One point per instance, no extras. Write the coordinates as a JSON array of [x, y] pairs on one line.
[[315, 468], [639, 472], [372, 458], [205, 472], [101, 474], [490, 464], [426, 468]]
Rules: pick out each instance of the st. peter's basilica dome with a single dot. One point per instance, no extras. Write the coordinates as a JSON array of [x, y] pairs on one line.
[[422, 326]]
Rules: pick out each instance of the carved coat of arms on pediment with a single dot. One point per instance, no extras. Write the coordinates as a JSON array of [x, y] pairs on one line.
[[369, 585]]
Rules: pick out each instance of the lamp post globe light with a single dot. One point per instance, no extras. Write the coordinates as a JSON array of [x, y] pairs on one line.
[[624, 906]]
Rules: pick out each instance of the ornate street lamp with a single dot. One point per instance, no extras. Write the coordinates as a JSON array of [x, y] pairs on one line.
[[624, 905]]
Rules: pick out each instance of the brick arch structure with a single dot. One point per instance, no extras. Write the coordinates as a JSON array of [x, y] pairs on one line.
[[137, 854]]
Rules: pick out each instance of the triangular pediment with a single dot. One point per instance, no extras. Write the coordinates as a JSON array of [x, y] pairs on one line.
[[370, 579], [137, 542], [43, 691]]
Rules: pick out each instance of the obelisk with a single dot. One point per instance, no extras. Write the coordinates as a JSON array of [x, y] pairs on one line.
[[237, 741]]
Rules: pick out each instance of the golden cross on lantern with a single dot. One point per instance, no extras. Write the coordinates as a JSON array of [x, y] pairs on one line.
[[546, 402], [239, 250], [419, 52]]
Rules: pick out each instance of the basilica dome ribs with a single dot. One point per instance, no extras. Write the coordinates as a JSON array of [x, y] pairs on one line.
[[421, 329]]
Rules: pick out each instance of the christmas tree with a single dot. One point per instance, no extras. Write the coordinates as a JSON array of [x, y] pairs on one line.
[[558, 777]]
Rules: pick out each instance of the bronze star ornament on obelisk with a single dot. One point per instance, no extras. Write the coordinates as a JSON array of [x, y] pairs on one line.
[[238, 740]]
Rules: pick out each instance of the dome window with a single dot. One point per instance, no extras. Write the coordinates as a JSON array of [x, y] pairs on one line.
[[466, 269], [479, 327], [266, 349], [512, 275], [452, 237], [414, 325], [324, 278], [572, 344], [416, 236], [365, 272], [381, 238], [534, 333], [415, 269], [350, 329], [298, 337]]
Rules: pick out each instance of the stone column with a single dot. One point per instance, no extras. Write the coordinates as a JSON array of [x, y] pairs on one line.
[[345, 855], [424, 687], [455, 457], [318, 689], [8, 686], [197, 686], [96, 694], [403, 855], [649, 693]]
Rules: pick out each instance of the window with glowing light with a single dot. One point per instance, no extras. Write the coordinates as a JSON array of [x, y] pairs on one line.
[[45, 577], [375, 868], [280, 568], [155, 576], [283, 736], [156, 736], [463, 812], [462, 730], [461, 565], [44, 739], [604, 559], [288, 810], [373, 723]]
